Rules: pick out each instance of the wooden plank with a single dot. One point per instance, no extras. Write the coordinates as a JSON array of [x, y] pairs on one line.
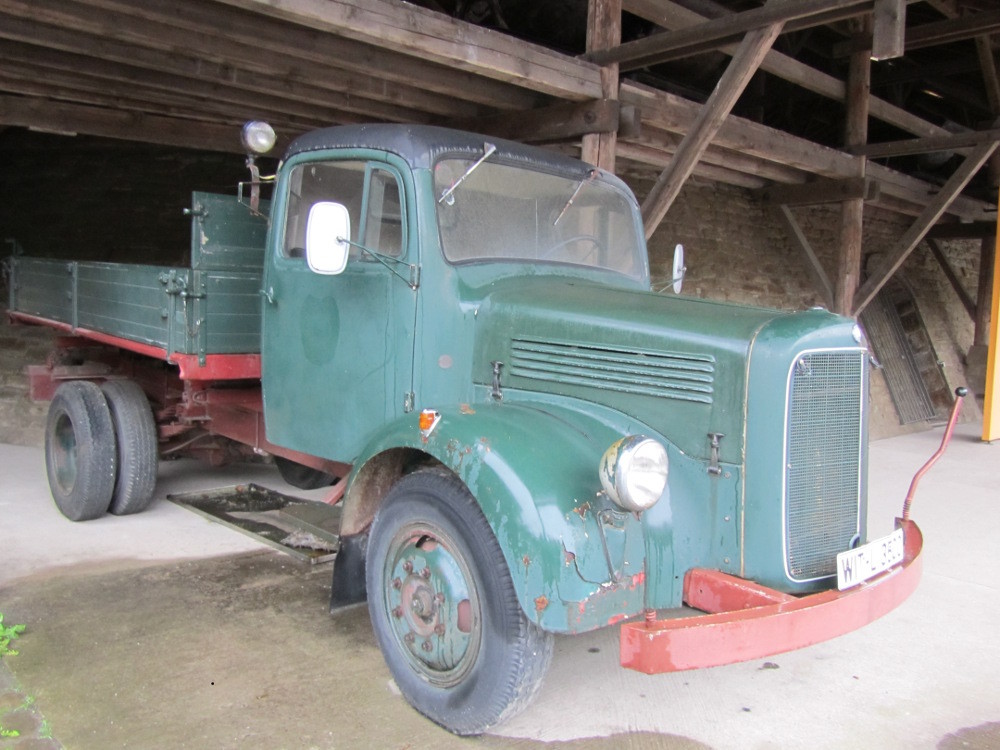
[[934, 34], [672, 15], [732, 83], [347, 92], [713, 34], [822, 191], [426, 35], [655, 157], [202, 55], [666, 111], [926, 145], [912, 237], [949, 272], [604, 30], [130, 126], [896, 185], [816, 270], [988, 65], [889, 29], [556, 122]]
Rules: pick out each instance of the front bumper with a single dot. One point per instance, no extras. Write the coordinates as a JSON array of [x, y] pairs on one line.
[[747, 621]]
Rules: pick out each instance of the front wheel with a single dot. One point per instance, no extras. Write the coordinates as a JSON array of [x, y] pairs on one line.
[[444, 609]]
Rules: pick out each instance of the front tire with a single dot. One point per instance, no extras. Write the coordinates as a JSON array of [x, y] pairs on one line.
[[444, 608], [80, 451]]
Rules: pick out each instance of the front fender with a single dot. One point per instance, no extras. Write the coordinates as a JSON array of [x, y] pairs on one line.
[[576, 560]]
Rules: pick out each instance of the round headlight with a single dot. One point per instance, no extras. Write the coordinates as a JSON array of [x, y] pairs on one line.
[[258, 137], [634, 472]]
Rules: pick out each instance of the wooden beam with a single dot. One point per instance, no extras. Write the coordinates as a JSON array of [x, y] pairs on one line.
[[822, 191], [131, 126], [121, 38], [557, 122], [670, 14], [426, 35], [888, 29], [741, 68], [933, 34], [988, 65], [707, 170], [713, 34], [926, 145], [912, 237], [949, 272], [816, 270], [604, 30]]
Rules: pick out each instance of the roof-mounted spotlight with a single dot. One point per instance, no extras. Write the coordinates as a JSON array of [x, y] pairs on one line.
[[258, 137]]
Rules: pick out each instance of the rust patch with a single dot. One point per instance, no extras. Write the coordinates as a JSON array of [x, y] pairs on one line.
[[526, 561], [637, 580], [615, 619], [466, 409], [581, 510], [569, 557], [541, 603]]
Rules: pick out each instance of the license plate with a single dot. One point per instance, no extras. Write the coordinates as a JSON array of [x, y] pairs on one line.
[[868, 560]]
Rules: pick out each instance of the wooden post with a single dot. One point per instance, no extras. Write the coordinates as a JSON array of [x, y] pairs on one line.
[[604, 31], [852, 211], [991, 406], [982, 315]]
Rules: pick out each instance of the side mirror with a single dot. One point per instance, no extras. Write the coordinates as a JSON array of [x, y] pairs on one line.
[[328, 233], [679, 269]]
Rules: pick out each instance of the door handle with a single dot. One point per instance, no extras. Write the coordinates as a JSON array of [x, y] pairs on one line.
[[268, 294]]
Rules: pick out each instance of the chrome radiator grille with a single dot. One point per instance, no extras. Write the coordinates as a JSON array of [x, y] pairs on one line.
[[823, 459]]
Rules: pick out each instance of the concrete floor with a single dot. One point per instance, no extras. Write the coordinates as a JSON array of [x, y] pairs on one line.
[[164, 630]]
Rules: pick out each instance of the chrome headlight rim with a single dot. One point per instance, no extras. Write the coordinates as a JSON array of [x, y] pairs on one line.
[[634, 472]]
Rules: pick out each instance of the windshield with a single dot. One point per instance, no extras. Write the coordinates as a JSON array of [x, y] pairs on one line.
[[510, 213]]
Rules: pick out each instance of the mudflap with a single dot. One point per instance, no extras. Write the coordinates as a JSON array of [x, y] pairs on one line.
[[348, 587]]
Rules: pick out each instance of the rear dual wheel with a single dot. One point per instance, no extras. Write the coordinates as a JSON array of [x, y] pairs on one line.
[[444, 609], [100, 449]]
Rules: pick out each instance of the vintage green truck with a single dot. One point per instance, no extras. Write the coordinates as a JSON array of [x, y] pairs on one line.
[[460, 338]]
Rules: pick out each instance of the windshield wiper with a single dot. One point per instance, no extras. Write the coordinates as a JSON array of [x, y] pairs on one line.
[[488, 148], [590, 176]]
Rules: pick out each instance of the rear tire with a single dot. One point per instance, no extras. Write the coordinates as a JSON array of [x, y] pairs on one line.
[[80, 454], [444, 609], [138, 452]]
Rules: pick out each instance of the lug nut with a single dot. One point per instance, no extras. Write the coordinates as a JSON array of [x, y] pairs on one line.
[[408, 566], [397, 612], [409, 638], [426, 646], [439, 629], [439, 597], [397, 583], [426, 572]]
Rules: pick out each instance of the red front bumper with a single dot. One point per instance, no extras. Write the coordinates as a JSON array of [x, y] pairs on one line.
[[748, 621]]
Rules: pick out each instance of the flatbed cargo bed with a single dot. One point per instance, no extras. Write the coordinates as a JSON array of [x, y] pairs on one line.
[[205, 318]]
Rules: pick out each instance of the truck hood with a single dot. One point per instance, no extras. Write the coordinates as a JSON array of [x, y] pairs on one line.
[[675, 364]]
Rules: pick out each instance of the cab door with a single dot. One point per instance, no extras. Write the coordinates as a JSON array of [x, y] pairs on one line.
[[337, 351]]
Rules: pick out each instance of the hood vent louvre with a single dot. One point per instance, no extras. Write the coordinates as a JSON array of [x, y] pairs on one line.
[[686, 377]]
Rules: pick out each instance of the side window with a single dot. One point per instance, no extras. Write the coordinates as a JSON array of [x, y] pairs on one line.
[[384, 219], [342, 182], [376, 213]]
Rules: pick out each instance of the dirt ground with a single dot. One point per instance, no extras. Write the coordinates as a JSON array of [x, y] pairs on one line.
[[163, 630]]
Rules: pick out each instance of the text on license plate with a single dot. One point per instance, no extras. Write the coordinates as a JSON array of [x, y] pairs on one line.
[[868, 560]]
